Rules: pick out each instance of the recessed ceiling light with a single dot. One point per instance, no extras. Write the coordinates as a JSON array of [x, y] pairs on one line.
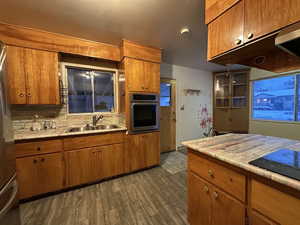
[[185, 31]]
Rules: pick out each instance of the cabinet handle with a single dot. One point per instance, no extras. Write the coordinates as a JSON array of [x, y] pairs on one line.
[[238, 41], [34, 161], [250, 35], [216, 195], [205, 189], [211, 173], [29, 95], [38, 148], [21, 95]]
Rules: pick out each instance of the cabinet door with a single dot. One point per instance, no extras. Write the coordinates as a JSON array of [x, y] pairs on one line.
[[28, 177], [257, 219], [134, 75], [151, 146], [135, 158], [226, 210], [79, 169], [38, 175], [42, 77], [16, 74], [222, 120], [111, 161], [199, 201], [265, 16], [152, 77], [226, 32], [51, 172]]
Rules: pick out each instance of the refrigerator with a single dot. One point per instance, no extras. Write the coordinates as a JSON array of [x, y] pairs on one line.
[[9, 207]]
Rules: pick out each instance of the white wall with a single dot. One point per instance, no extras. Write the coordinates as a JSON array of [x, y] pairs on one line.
[[289, 130], [188, 120]]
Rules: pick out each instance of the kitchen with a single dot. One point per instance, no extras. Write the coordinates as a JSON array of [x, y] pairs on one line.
[[131, 124]]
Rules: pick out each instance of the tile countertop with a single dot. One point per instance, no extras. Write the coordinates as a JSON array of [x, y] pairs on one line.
[[59, 132], [240, 149]]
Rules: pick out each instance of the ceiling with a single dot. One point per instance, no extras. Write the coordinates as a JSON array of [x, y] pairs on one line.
[[151, 22]]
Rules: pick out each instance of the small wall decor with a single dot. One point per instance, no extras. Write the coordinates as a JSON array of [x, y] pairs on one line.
[[205, 120], [191, 92]]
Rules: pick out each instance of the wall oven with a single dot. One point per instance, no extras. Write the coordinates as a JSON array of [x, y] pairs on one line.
[[144, 112]]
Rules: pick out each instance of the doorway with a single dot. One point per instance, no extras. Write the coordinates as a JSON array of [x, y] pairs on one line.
[[167, 115]]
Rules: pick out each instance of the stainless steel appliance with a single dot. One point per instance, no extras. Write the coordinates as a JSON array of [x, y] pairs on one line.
[[288, 39], [144, 112], [9, 209]]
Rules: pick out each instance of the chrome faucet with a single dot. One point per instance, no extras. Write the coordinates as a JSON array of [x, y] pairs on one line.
[[96, 119]]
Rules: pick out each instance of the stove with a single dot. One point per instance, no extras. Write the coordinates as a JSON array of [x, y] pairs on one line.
[[284, 161]]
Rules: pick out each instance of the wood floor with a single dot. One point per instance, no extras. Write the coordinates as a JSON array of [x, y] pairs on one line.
[[150, 197]]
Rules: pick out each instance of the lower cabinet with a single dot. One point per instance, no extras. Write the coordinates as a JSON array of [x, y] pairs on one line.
[[142, 151], [40, 174], [78, 166], [96, 163], [207, 205], [73, 161]]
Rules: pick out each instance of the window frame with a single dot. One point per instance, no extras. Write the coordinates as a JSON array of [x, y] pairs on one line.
[[64, 70], [296, 74]]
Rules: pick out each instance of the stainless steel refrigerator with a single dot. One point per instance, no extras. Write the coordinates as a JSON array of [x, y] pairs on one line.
[[9, 208]]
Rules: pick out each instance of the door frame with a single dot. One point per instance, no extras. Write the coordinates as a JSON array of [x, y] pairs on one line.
[[173, 108]]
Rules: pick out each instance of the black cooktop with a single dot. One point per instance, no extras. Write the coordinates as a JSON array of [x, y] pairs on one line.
[[284, 161]]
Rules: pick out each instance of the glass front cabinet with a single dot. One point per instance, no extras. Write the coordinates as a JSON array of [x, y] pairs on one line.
[[231, 101]]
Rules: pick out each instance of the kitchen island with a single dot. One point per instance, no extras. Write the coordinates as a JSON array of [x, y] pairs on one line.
[[224, 189]]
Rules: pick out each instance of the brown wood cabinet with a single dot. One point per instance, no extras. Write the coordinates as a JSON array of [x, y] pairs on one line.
[[233, 23], [78, 166], [227, 31], [107, 161], [215, 187], [40, 174], [142, 76], [210, 206], [32, 76], [266, 16], [214, 8], [142, 151], [231, 101], [257, 219]]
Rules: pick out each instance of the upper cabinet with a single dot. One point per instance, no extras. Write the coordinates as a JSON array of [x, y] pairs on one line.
[[233, 24], [265, 16], [227, 31], [32, 76], [142, 76], [214, 8]]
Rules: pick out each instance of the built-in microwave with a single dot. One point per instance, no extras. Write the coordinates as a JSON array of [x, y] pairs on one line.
[[144, 112]]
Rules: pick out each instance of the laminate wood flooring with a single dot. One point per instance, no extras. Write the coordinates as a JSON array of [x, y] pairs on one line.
[[150, 197]]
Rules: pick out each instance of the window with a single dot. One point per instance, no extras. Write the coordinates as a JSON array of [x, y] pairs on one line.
[[276, 98], [90, 90], [165, 94]]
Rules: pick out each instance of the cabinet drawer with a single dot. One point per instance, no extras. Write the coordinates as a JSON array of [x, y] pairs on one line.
[[72, 143], [279, 206], [227, 179], [38, 147]]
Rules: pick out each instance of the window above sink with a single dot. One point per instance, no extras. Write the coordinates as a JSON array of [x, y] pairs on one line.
[[90, 89]]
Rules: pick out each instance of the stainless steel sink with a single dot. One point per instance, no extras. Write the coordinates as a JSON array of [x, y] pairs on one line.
[[74, 129], [89, 128]]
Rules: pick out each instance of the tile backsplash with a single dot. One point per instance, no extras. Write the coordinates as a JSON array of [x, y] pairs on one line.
[[23, 117]]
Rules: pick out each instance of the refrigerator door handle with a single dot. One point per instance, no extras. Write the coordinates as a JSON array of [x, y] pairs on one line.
[[13, 185]]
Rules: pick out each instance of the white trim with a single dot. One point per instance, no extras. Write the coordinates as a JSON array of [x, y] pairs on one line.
[[64, 66]]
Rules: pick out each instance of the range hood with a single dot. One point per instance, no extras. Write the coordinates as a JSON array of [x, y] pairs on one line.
[[289, 39]]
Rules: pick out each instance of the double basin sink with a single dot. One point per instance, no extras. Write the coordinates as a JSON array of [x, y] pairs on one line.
[[90, 128]]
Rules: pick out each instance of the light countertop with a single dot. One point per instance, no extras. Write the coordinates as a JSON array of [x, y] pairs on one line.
[[59, 132], [240, 149]]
